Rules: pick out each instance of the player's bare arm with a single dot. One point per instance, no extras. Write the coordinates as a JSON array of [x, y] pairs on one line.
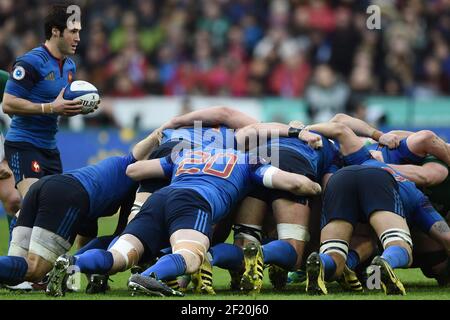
[[347, 139], [213, 116], [295, 183], [362, 128], [145, 169], [143, 148], [13, 105], [427, 175]]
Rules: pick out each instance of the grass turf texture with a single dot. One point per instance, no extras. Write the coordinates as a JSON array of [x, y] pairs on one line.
[[418, 287]]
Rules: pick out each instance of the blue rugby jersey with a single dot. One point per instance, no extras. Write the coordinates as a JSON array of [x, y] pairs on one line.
[[107, 184], [205, 137], [399, 155], [417, 207], [221, 176], [38, 76], [323, 160]]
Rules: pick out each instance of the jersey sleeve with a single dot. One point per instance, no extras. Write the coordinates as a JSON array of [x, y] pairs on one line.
[[167, 165], [358, 157], [424, 214], [22, 79]]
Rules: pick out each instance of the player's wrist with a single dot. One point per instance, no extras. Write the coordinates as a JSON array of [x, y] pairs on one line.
[[376, 135], [47, 108], [294, 132]]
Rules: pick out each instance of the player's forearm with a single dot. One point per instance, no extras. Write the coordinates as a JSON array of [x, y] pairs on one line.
[[427, 175], [413, 173], [145, 169], [214, 116], [18, 106], [358, 126], [295, 183], [143, 148]]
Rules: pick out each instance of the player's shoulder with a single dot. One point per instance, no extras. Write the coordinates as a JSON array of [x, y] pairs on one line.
[[37, 57]]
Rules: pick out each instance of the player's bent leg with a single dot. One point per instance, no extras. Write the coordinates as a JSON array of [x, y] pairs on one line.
[[330, 262], [9, 196], [141, 197], [394, 234], [24, 185], [126, 253], [247, 229]]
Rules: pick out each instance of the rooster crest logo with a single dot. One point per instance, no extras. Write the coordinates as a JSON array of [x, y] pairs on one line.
[[35, 166]]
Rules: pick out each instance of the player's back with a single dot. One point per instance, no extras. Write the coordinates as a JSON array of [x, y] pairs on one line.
[[200, 136], [221, 176], [322, 160], [38, 77], [106, 183]]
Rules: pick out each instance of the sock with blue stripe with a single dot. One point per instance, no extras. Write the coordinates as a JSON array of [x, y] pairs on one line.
[[168, 267], [280, 253], [13, 270], [329, 266], [227, 256], [97, 243], [95, 261], [396, 256], [352, 259]]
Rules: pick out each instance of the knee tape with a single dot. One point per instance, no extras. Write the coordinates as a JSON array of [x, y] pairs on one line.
[[335, 245], [250, 232], [292, 231], [395, 234]]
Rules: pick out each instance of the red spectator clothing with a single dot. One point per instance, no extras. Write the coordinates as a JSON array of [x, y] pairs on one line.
[[288, 82]]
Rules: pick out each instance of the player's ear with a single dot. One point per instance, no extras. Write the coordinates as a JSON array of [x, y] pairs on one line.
[[55, 32]]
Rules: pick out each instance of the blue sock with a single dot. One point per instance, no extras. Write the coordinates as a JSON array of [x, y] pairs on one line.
[[396, 256], [280, 253], [97, 243], [227, 256], [329, 265], [352, 259], [168, 267], [95, 261], [12, 270]]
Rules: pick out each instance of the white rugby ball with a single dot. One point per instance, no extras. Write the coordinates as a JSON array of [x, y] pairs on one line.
[[84, 91]]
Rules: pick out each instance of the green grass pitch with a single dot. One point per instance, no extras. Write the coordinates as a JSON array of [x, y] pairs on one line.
[[418, 287]]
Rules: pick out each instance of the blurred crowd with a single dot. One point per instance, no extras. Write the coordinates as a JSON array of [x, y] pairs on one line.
[[316, 49]]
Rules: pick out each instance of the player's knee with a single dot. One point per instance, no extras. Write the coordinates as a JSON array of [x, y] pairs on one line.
[[293, 231], [20, 241], [193, 252], [247, 233], [125, 255]]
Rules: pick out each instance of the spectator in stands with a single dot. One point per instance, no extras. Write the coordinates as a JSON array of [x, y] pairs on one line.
[[326, 95]]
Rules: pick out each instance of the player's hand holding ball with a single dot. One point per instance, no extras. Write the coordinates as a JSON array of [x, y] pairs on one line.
[[80, 97], [84, 92]]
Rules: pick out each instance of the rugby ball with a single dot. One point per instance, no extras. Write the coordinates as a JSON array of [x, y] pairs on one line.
[[84, 91]]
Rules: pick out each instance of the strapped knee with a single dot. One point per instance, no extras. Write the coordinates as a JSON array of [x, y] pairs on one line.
[[395, 234], [292, 231], [20, 242], [249, 232], [335, 246], [194, 253], [127, 251]]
